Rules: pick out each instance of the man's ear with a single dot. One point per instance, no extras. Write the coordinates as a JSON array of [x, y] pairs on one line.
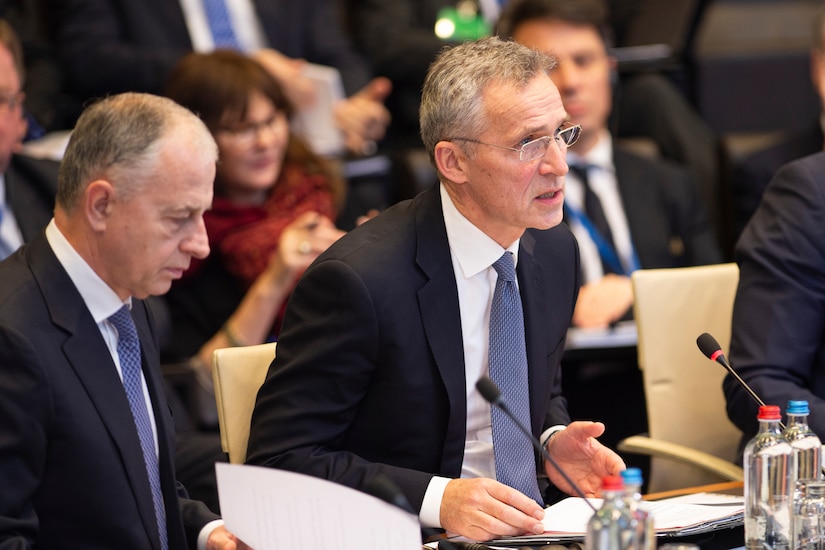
[[451, 161], [97, 202]]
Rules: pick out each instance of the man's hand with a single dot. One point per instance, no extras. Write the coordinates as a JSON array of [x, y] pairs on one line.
[[221, 539], [603, 302], [363, 118], [584, 459], [483, 508]]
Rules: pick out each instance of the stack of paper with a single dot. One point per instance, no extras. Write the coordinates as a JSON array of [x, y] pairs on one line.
[[691, 514]]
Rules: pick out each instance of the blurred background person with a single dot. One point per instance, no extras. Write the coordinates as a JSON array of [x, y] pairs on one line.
[[752, 174], [272, 214], [27, 185]]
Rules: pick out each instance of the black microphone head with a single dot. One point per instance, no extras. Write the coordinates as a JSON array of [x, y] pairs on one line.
[[488, 390], [708, 345]]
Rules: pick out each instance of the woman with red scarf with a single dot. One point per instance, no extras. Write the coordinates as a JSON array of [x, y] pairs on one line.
[[271, 215]]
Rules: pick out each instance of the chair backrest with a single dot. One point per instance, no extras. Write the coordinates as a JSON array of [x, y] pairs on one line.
[[683, 388], [238, 374]]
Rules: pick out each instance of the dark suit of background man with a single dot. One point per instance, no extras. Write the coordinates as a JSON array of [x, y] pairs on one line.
[[777, 343], [386, 334], [133, 185]]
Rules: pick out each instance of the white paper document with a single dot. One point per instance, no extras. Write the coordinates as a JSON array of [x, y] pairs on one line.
[[269, 509], [316, 124], [701, 512]]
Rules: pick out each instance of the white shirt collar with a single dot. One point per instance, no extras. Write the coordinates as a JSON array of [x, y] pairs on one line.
[[474, 249], [99, 297]]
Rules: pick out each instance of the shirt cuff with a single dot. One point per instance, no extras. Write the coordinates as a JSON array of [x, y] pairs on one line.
[[206, 531], [430, 514], [548, 434]]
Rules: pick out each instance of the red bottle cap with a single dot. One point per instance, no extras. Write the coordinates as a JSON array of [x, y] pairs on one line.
[[769, 412], [612, 483]]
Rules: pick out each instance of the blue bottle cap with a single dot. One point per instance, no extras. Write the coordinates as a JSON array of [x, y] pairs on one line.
[[797, 407], [632, 476]]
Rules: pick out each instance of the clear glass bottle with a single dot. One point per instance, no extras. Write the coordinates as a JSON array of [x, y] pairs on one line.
[[645, 531], [613, 526], [809, 516], [807, 448], [768, 461]]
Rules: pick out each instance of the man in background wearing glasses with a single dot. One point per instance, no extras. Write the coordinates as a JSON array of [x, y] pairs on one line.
[[389, 330], [626, 211], [27, 184]]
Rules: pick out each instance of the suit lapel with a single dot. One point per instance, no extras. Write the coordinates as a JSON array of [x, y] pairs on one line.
[[88, 356], [438, 300]]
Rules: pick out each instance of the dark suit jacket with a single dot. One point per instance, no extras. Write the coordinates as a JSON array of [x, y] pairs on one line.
[[369, 374], [71, 465], [778, 335], [752, 175], [31, 185], [667, 222], [111, 46]]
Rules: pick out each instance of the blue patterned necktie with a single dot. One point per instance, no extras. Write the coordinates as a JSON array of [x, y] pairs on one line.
[[222, 33], [128, 351], [515, 462]]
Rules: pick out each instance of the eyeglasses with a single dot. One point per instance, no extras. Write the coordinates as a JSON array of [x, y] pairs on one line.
[[12, 99], [247, 133], [565, 135]]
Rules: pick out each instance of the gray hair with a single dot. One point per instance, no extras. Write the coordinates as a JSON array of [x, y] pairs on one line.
[[119, 138], [451, 101]]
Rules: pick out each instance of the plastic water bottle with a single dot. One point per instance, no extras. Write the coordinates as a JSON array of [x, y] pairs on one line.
[[807, 449], [809, 515], [768, 461], [613, 526], [645, 532]]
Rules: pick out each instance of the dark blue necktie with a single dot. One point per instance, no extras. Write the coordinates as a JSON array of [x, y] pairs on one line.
[[515, 462], [222, 33], [128, 351]]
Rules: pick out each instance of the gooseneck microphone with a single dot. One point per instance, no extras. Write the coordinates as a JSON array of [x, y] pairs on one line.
[[490, 392], [713, 351]]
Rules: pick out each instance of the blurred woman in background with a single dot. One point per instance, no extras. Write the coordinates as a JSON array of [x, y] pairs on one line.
[[272, 214]]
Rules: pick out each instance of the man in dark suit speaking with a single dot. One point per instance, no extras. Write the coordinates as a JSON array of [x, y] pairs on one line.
[[388, 331], [86, 441]]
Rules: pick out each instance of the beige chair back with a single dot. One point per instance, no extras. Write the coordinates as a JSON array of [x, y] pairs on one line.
[[238, 373], [683, 389]]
